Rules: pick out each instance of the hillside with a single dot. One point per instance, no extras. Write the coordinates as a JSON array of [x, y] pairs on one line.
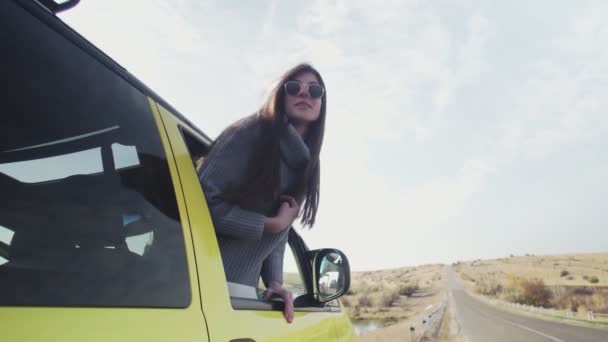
[[576, 282]]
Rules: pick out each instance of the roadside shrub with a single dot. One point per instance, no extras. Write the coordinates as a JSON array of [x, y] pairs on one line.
[[564, 273], [364, 300], [582, 291], [536, 293], [569, 278], [467, 277], [568, 303], [373, 288], [582, 299], [594, 280], [366, 286], [388, 298], [408, 290], [488, 287]]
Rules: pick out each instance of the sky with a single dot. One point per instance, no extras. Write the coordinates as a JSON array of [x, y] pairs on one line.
[[455, 130]]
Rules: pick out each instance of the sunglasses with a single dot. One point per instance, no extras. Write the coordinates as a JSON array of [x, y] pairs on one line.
[[314, 90]]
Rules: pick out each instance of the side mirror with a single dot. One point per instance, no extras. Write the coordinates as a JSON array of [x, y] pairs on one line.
[[331, 276]]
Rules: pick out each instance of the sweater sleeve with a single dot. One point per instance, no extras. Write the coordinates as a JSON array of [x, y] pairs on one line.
[[224, 168], [272, 268]]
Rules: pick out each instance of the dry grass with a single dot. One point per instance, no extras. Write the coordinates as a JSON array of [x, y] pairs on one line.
[[385, 295], [388, 292], [391, 295], [396, 332], [576, 282], [580, 268], [291, 281]]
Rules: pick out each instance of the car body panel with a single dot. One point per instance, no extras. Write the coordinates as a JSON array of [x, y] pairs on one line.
[[35, 324], [113, 323]]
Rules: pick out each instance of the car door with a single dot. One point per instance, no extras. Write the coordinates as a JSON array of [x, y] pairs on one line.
[[93, 244], [230, 318]]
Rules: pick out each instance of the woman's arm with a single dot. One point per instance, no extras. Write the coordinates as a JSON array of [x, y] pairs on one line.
[[272, 275], [275, 288], [272, 267], [288, 212], [224, 169]]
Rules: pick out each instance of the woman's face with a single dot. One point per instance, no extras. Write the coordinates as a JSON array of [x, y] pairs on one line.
[[302, 108]]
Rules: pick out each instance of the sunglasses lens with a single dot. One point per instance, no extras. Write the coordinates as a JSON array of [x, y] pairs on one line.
[[292, 88], [315, 90]]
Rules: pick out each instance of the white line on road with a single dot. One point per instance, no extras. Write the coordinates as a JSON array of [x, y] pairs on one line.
[[552, 338], [540, 333]]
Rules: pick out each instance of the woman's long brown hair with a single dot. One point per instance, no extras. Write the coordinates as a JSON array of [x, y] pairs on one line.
[[263, 176]]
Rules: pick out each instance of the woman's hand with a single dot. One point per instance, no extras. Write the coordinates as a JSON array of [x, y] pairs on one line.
[[275, 288], [288, 211], [289, 207]]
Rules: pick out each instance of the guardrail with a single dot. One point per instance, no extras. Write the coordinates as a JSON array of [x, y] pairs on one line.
[[601, 316], [428, 325]]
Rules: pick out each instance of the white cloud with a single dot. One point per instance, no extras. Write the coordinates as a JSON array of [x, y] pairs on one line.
[[366, 216], [396, 72], [327, 16], [561, 103], [270, 14], [376, 82]]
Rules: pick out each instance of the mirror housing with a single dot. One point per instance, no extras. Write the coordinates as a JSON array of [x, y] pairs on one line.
[[331, 274]]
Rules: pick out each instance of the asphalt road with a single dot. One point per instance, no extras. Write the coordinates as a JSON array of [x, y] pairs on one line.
[[480, 322]]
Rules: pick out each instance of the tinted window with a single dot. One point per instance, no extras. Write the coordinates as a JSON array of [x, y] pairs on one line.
[[88, 214]]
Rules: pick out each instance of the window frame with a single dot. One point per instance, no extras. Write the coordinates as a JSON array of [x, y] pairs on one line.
[[303, 303]]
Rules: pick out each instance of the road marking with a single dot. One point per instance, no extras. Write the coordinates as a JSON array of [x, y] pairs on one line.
[[540, 333], [552, 338]]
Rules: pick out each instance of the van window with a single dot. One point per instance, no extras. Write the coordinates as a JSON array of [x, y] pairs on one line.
[[88, 213], [55, 167], [6, 235]]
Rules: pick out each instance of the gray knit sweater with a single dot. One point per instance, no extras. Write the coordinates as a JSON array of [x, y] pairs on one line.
[[247, 251]]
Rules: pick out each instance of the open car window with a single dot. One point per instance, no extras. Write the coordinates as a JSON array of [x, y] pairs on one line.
[[242, 295], [292, 278]]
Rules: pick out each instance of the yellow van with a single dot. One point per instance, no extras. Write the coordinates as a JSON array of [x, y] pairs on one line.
[[104, 230]]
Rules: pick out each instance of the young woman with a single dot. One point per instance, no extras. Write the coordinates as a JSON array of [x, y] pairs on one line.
[[261, 174]]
